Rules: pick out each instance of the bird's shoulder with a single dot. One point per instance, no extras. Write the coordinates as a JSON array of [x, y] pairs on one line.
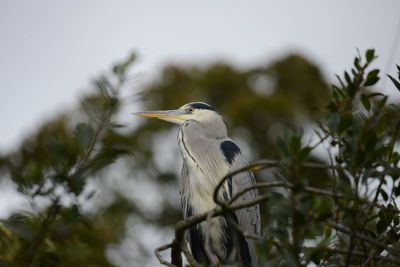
[[230, 149]]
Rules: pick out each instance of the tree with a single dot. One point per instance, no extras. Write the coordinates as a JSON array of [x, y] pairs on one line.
[[340, 209], [353, 218]]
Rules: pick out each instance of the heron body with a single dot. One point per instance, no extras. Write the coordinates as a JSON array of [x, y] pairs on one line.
[[209, 155]]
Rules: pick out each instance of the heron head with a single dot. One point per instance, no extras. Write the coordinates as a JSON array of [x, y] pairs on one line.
[[197, 111], [211, 122]]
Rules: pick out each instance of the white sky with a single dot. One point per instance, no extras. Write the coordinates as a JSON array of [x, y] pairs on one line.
[[50, 49]]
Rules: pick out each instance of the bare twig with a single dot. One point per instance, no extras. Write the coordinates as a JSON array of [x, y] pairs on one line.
[[192, 261], [370, 258], [183, 225], [361, 254], [213, 259], [392, 250], [310, 189], [256, 186], [349, 251], [259, 165], [243, 232], [387, 164], [177, 246], [157, 252], [252, 167]]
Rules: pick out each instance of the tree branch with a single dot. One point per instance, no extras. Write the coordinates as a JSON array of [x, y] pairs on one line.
[[157, 252], [177, 246], [259, 165], [28, 257], [361, 254], [395, 251]]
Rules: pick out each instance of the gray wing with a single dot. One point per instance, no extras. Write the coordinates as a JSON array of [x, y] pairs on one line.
[[216, 158], [248, 218]]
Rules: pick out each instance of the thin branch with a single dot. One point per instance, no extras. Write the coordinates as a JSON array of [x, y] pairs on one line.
[[243, 232], [250, 203], [349, 251], [388, 160], [310, 189], [157, 252], [177, 245], [322, 192], [189, 256], [369, 259], [212, 258], [286, 185], [28, 257], [251, 167], [392, 250], [361, 254], [259, 165], [256, 186], [183, 225]]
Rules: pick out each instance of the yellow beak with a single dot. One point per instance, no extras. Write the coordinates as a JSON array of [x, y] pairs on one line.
[[175, 116]]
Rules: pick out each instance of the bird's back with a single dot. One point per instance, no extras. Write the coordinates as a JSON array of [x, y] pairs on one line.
[[206, 161]]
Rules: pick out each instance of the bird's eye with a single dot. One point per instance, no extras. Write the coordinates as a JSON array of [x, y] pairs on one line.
[[190, 109]]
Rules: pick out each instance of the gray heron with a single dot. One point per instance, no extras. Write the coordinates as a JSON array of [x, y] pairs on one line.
[[208, 155]]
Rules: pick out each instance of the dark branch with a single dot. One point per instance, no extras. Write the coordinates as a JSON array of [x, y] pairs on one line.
[[395, 251], [177, 246]]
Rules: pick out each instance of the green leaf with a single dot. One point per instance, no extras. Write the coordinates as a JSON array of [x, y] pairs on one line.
[[381, 226], [357, 63], [71, 215], [19, 225], [370, 55], [268, 246], [83, 135], [381, 103], [397, 191], [365, 102], [396, 220], [76, 184], [327, 232], [120, 69], [384, 195], [340, 80], [295, 143], [304, 153], [344, 179], [396, 83], [347, 77], [372, 77], [346, 121], [281, 144]]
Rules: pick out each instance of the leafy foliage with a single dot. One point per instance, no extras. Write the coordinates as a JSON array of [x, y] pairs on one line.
[[55, 164], [360, 130]]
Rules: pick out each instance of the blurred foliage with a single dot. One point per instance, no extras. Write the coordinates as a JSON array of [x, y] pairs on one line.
[[268, 109], [360, 130]]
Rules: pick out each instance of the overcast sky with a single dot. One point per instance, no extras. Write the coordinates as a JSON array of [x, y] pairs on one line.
[[51, 49]]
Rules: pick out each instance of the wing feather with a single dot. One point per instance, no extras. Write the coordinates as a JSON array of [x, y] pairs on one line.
[[248, 218], [216, 158]]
